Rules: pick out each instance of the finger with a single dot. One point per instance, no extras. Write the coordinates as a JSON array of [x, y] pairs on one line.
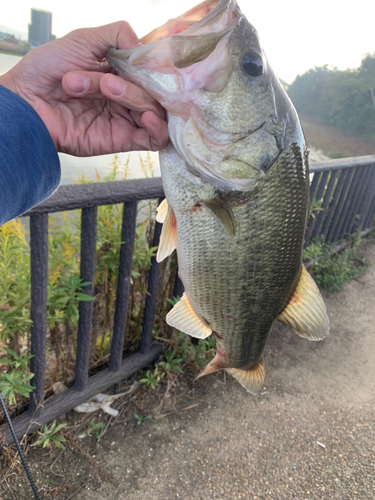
[[82, 84], [129, 95], [157, 130], [98, 86], [137, 118], [99, 40]]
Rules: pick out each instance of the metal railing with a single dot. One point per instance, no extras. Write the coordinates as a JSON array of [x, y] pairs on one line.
[[344, 193], [344, 190]]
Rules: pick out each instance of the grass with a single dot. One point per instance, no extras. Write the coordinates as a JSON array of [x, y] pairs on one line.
[[65, 291], [11, 53], [332, 270]]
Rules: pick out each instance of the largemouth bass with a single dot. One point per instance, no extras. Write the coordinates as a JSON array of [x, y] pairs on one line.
[[236, 181]]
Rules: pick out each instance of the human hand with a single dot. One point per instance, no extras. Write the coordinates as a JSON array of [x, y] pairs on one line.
[[85, 107]]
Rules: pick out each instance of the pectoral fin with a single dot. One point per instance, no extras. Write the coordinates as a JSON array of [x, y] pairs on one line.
[[184, 318], [161, 211], [168, 237], [222, 210], [306, 313]]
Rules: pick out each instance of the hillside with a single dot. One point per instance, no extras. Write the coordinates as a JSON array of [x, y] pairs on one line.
[[344, 100], [334, 142]]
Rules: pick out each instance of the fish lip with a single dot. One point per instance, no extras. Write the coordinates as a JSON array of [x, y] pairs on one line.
[[114, 54], [219, 7]]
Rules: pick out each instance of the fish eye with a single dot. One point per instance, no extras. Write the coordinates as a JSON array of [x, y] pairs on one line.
[[252, 63]]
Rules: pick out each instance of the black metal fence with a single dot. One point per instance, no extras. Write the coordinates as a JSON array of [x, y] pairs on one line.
[[343, 191]]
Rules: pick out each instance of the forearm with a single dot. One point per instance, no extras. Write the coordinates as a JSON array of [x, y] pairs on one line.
[[29, 164]]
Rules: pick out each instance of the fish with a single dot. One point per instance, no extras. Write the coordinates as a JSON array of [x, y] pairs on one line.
[[236, 181]]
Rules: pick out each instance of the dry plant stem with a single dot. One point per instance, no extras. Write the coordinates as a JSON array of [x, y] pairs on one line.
[[23, 441], [59, 455], [163, 339], [91, 460], [178, 411], [124, 407], [77, 491], [170, 384], [12, 467], [13, 460], [81, 424], [103, 431]]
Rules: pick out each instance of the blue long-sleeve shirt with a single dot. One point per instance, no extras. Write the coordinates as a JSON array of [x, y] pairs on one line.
[[29, 163]]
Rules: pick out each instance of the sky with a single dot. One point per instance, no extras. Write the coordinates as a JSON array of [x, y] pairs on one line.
[[295, 35]]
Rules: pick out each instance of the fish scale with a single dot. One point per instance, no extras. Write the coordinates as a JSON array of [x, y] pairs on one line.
[[236, 181], [240, 276]]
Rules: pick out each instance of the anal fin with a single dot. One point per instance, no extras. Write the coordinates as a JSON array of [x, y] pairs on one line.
[[306, 313], [184, 318], [168, 237]]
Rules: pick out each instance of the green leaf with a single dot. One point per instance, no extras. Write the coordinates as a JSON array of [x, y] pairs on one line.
[[84, 297], [61, 426]]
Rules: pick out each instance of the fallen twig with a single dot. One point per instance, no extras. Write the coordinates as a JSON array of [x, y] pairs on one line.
[[170, 384], [55, 473], [178, 411]]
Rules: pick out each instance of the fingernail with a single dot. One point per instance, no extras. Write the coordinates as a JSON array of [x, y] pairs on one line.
[[77, 83], [116, 86]]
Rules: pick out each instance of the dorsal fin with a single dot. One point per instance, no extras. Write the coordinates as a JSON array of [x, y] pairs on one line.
[[306, 313], [168, 237], [184, 318]]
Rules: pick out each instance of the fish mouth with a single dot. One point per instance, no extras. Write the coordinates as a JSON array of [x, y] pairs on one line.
[[191, 37], [183, 22], [169, 67]]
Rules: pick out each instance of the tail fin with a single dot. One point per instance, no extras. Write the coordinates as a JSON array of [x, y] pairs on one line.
[[252, 379]]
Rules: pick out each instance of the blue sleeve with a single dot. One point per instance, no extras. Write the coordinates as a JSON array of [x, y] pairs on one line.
[[29, 163]]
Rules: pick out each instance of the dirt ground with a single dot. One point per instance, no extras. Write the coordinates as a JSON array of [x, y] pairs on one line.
[[309, 434]]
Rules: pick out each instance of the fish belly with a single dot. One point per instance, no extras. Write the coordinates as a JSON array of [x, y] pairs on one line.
[[239, 284]]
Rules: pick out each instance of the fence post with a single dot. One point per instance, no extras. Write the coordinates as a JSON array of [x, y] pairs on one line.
[[88, 259], [326, 202], [123, 283], [152, 288], [367, 197], [38, 307], [333, 231]]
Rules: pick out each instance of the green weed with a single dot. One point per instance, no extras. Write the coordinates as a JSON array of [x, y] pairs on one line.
[[15, 383], [152, 378], [141, 419], [66, 288], [49, 436], [14, 284], [331, 271], [96, 428], [171, 363]]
